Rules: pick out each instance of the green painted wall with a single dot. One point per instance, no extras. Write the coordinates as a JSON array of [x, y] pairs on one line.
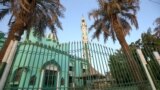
[[33, 54]]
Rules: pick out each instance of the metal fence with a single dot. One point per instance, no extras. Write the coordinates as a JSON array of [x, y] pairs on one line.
[[78, 66], [153, 63]]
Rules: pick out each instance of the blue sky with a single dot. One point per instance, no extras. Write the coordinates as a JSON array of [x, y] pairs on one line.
[[76, 8]]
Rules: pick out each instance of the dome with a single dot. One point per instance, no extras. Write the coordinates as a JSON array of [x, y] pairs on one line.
[[52, 36]]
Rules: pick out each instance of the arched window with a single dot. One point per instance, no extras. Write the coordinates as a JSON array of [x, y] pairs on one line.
[[50, 75], [50, 78], [17, 75], [32, 80]]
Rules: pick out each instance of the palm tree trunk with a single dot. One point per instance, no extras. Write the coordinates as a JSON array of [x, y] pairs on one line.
[[133, 65], [14, 34], [16, 29]]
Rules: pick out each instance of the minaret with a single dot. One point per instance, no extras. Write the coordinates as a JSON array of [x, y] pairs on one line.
[[86, 54], [84, 31]]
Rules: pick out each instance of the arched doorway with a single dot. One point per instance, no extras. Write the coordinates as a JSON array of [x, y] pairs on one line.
[[50, 76]]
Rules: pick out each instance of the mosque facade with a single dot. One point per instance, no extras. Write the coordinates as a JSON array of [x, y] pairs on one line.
[[47, 64]]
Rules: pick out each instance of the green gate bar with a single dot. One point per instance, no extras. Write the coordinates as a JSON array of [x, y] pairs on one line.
[[77, 66]]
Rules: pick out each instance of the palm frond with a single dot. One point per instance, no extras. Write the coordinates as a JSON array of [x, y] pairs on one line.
[[40, 28], [96, 22], [106, 32], [10, 20], [112, 34], [124, 10], [47, 14], [4, 2], [98, 31], [132, 18], [3, 12], [157, 21], [52, 28], [126, 26], [94, 13], [101, 3]]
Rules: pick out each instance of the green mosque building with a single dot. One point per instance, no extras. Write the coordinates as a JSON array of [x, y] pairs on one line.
[[47, 64]]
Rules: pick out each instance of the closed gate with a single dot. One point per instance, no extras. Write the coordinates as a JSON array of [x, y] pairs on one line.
[[75, 66]]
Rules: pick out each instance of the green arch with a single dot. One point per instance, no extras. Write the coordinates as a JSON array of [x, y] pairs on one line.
[[51, 62]]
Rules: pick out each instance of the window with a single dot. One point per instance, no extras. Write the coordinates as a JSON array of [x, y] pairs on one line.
[[32, 80], [17, 75], [84, 82], [70, 79], [84, 70], [71, 64], [62, 81], [70, 68], [84, 66], [50, 77]]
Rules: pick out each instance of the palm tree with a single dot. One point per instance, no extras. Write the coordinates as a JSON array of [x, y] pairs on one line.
[[114, 18], [157, 28], [27, 14], [148, 38]]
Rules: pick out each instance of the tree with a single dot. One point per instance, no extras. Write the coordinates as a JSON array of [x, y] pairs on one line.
[[120, 69], [157, 28], [149, 43], [114, 18], [27, 14], [148, 39]]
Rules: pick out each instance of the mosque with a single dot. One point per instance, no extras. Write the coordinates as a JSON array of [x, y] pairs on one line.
[[47, 64]]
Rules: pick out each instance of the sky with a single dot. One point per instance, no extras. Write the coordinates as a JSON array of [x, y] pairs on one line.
[[75, 9]]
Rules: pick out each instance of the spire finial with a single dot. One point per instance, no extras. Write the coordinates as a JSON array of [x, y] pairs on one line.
[[82, 17]]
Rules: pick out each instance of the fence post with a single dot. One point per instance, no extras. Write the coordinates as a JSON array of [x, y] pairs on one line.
[[144, 63], [8, 65], [156, 55], [3, 63]]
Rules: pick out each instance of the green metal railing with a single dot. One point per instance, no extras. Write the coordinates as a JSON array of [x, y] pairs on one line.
[[76, 66], [152, 64]]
